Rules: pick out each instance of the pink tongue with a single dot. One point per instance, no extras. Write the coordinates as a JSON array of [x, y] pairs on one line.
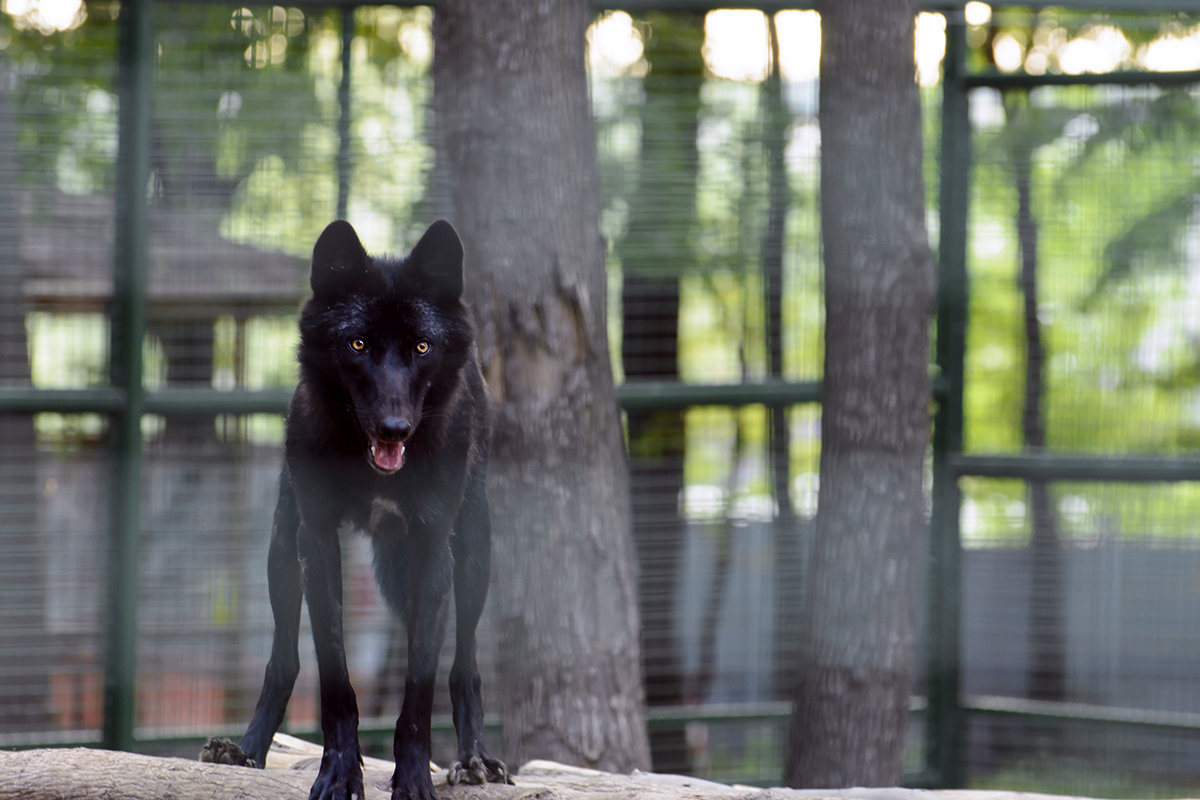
[[388, 456]]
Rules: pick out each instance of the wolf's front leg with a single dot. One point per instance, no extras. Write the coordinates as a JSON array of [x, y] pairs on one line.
[[428, 603], [340, 776], [472, 550]]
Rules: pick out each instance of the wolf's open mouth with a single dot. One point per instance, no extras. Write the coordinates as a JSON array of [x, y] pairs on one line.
[[387, 456]]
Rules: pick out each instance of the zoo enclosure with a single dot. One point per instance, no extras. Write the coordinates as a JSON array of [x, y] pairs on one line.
[[184, 416]]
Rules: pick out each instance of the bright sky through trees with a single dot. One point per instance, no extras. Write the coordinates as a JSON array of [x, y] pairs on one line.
[[736, 43], [736, 46], [47, 16]]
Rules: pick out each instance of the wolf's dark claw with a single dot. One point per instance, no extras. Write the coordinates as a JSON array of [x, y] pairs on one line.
[[472, 772], [497, 771], [223, 751], [478, 770]]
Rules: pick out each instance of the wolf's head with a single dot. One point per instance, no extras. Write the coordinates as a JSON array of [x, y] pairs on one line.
[[386, 339]]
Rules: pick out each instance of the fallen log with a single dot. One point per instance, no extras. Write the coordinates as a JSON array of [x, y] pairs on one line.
[[86, 774]]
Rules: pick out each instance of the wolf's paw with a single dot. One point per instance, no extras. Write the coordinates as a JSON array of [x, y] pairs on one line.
[[340, 776], [411, 786], [223, 751], [479, 770]]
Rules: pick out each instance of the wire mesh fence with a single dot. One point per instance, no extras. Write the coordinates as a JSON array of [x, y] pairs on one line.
[[1077, 597]]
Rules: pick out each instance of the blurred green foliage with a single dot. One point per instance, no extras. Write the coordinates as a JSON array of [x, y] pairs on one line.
[[246, 135]]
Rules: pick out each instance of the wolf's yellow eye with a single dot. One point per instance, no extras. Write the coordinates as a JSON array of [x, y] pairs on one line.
[[422, 348], [358, 345]]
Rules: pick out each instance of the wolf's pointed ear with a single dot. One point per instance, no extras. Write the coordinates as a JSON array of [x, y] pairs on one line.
[[436, 262], [338, 259]]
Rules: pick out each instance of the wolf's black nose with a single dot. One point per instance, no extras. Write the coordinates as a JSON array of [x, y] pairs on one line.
[[394, 429]]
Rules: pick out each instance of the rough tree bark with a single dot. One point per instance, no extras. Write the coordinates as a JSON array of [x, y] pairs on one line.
[[80, 774], [511, 100], [855, 675]]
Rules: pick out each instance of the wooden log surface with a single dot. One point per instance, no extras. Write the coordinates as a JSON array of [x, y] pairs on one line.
[[87, 774]]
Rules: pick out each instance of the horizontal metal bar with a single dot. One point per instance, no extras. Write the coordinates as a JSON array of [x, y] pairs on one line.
[[175, 401], [636, 395], [670, 716], [36, 740], [674, 716], [644, 395], [28, 400], [1023, 80], [1082, 712], [1078, 467], [769, 711], [108, 400], [171, 402]]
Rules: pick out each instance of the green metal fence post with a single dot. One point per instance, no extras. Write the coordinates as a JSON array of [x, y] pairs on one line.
[[344, 157], [128, 323], [945, 726]]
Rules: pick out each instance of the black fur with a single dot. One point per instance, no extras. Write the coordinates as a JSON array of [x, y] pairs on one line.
[[387, 431]]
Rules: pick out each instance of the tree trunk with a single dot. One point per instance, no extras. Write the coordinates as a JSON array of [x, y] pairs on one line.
[[775, 133], [24, 697], [1047, 669], [511, 97], [855, 676], [654, 251], [789, 589]]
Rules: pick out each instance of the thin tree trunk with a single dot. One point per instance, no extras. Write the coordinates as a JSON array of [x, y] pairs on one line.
[[788, 588], [723, 533], [512, 102], [775, 129], [855, 676], [24, 700], [1047, 669], [658, 245], [657, 444]]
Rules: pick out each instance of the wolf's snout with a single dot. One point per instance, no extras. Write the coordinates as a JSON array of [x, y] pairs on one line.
[[394, 429]]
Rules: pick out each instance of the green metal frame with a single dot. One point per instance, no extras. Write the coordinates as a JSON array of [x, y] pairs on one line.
[[945, 723], [130, 269]]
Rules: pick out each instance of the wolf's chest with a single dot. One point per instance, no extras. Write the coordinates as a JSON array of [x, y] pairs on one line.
[[377, 516], [385, 516]]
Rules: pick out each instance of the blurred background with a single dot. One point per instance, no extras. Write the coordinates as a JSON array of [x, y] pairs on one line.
[[1065, 557]]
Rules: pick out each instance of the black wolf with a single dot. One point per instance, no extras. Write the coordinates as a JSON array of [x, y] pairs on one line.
[[387, 432]]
